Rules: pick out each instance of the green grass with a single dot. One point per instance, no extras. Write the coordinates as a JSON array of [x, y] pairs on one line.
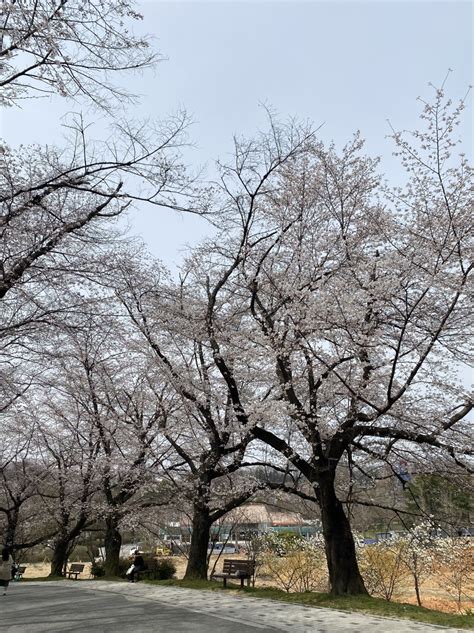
[[366, 604]]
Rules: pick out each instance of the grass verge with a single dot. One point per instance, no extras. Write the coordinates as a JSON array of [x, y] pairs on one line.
[[365, 604]]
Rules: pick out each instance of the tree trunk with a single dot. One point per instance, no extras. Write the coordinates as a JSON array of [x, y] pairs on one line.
[[112, 545], [417, 589], [344, 574], [60, 556], [64, 546], [12, 523], [197, 561]]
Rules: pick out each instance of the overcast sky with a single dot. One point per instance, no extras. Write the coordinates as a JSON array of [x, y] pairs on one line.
[[349, 65]]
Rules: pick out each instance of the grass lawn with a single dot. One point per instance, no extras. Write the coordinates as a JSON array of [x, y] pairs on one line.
[[374, 606]]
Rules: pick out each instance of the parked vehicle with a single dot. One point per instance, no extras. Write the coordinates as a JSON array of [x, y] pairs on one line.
[[222, 548]]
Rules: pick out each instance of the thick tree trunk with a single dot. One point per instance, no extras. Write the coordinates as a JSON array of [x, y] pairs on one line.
[[112, 545], [197, 561], [62, 549], [12, 523], [344, 574]]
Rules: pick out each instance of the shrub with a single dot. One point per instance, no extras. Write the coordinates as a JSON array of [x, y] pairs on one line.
[[296, 564], [97, 570], [419, 556], [283, 543], [456, 559], [382, 567], [164, 569]]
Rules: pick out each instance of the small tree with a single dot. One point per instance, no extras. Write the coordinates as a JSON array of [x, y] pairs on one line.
[[419, 556], [382, 567], [456, 560]]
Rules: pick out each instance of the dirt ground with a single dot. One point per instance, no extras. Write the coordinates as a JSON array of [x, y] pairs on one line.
[[433, 590], [434, 595]]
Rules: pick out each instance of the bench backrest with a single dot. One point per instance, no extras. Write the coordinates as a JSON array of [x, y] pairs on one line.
[[232, 566], [76, 567]]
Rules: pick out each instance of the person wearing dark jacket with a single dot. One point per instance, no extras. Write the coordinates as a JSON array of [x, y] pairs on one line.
[[138, 564]]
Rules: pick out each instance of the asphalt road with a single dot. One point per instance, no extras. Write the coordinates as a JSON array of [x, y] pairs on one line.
[[41, 607]]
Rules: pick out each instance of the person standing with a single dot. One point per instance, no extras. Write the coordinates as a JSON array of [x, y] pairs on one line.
[[6, 564]]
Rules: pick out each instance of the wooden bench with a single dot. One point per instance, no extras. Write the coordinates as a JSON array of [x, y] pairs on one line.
[[236, 570], [74, 570], [19, 571]]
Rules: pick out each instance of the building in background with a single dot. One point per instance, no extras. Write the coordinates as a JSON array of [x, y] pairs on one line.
[[241, 524]]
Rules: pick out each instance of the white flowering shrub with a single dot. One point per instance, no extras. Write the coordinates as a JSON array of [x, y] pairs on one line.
[[388, 566], [455, 558], [294, 563], [419, 556], [382, 567]]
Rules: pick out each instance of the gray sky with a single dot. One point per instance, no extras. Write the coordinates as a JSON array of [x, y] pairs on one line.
[[349, 65]]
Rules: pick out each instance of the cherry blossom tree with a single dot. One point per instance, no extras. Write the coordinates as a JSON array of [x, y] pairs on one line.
[[207, 449], [58, 204], [63, 450], [355, 300], [186, 325], [108, 383], [69, 48], [69, 450], [22, 476], [93, 428]]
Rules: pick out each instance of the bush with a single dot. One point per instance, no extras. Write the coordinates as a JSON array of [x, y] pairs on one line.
[[420, 555], [97, 570], [283, 543], [382, 567], [456, 560], [296, 564], [298, 571], [164, 569]]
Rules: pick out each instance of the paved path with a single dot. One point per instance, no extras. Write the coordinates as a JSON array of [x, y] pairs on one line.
[[105, 607]]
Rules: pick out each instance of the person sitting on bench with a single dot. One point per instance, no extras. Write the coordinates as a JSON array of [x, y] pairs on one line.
[[137, 565]]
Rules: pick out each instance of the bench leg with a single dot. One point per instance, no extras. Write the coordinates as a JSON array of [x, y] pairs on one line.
[[225, 582], [241, 583]]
